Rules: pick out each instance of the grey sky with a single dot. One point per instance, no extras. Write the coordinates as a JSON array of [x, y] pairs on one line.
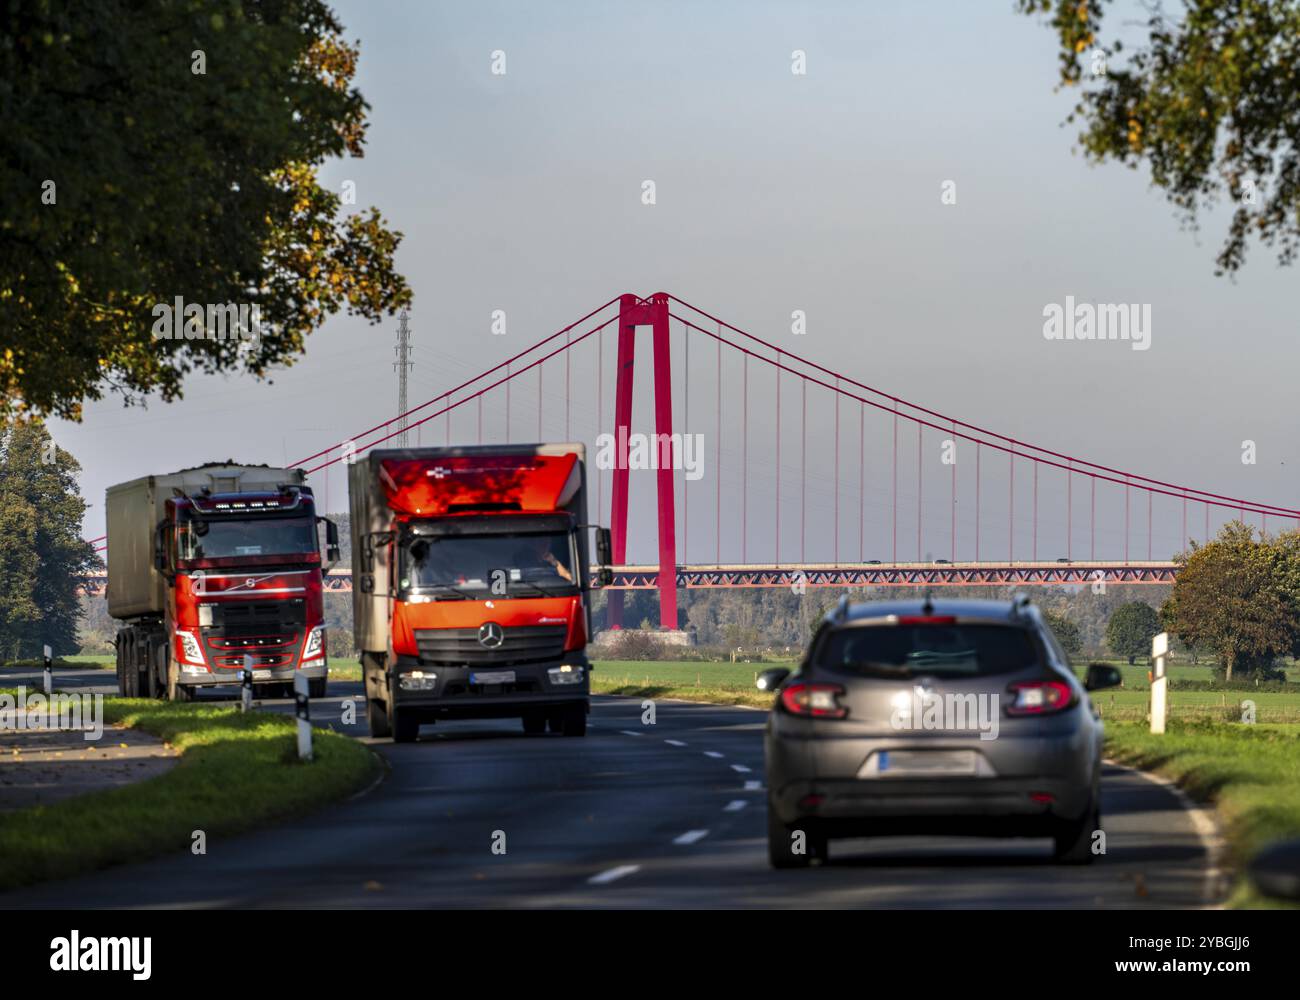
[[775, 192]]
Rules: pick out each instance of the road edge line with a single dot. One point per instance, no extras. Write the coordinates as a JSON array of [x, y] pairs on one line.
[[1208, 830]]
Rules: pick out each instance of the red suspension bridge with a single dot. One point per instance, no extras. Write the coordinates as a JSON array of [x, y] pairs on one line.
[[881, 503]]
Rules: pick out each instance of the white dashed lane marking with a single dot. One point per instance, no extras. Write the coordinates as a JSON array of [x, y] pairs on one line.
[[675, 743], [740, 768], [690, 836], [712, 753], [613, 874], [735, 805]]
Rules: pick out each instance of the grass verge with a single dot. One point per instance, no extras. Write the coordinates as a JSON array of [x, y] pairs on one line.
[[236, 772], [1251, 773], [717, 683]]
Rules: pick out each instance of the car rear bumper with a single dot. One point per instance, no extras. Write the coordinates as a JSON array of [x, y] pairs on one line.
[[1019, 777]]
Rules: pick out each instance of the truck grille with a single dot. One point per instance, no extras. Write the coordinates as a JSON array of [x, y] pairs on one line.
[[255, 617], [521, 644], [270, 631]]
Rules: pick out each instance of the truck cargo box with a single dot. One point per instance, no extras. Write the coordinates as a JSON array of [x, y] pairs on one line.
[[134, 510]]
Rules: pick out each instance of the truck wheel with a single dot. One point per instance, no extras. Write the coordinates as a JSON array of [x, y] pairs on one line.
[[534, 723], [156, 671], [575, 721], [377, 718], [130, 674], [406, 726], [316, 687], [121, 670]]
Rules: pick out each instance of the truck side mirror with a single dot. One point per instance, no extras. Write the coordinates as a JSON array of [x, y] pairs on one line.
[[604, 550], [331, 541], [604, 576], [160, 549]]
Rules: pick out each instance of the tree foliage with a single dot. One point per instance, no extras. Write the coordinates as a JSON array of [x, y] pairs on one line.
[[1066, 632], [42, 557], [1210, 103], [1131, 628], [130, 179], [1239, 597]]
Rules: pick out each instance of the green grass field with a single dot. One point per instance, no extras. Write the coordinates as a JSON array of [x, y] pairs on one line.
[[99, 661], [236, 772]]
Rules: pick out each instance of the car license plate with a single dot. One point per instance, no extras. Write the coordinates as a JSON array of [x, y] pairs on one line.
[[923, 763], [492, 677], [261, 675]]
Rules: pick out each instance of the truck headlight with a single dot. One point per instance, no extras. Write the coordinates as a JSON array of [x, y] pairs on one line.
[[417, 680], [191, 651], [566, 674], [315, 642]]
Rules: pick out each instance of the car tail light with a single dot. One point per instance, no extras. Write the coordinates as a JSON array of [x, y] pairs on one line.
[[816, 700], [1040, 698]]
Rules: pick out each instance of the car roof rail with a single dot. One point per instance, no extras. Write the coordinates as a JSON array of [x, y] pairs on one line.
[[840, 612], [1020, 605]]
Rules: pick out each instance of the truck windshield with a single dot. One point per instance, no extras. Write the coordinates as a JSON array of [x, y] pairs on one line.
[[461, 566], [222, 538]]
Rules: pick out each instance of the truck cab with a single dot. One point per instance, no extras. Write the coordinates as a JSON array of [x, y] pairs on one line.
[[472, 586], [246, 574], [210, 565]]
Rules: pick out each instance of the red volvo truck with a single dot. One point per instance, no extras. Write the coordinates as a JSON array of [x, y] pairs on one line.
[[471, 585], [212, 563]]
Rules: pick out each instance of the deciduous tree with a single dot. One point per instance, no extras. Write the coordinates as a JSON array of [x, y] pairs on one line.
[[155, 150]]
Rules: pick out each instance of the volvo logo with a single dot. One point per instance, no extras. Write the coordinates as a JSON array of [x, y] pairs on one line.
[[491, 635]]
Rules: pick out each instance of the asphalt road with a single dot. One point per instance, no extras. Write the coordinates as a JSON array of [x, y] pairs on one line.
[[670, 815]]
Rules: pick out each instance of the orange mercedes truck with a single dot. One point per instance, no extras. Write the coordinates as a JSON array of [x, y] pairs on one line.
[[472, 585]]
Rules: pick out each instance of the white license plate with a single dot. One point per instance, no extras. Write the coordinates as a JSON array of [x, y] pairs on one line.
[[926, 762], [261, 675], [492, 677]]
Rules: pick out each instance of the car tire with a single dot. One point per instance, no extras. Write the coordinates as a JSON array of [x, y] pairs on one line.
[[377, 719], [405, 725], [1072, 843], [780, 843], [574, 721], [534, 724], [317, 687]]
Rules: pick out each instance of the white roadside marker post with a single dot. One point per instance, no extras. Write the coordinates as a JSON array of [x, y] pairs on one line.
[[302, 709], [48, 677], [1159, 683], [247, 678]]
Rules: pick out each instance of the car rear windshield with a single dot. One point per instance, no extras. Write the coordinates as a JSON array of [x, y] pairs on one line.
[[948, 650]]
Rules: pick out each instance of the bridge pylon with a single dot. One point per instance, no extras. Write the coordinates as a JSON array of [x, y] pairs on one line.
[[634, 311]]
